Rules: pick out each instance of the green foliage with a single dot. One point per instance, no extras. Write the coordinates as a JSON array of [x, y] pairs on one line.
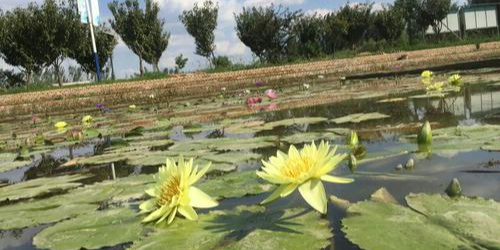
[[359, 19], [200, 22], [309, 34], [336, 27], [81, 48], [266, 31], [19, 45], [409, 9], [10, 79], [157, 38], [129, 22], [180, 62], [432, 12], [222, 62], [389, 24]]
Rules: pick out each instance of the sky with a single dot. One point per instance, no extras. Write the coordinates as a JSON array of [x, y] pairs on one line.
[[226, 40]]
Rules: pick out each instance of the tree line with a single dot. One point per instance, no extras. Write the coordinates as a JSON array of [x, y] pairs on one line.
[[41, 36]]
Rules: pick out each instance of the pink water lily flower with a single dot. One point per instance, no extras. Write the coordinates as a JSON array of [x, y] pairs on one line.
[[253, 100], [271, 93]]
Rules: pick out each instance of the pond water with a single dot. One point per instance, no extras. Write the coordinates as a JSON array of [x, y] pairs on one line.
[[388, 142]]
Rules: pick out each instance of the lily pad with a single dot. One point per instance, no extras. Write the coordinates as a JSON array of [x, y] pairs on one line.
[[40, 187], [360, 117], [475, 219], [225, 144], [234, 185], [76, 202], [92, 231], [309, 137], [444, 223], [232, 157], [244, 228], [296, 121], [8, 161]]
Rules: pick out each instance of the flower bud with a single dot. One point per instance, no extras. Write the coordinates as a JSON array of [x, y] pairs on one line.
[[425, 134], [454, 189], [352, 139]]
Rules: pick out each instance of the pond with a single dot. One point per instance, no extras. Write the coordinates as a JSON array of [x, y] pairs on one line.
[[58, 190]]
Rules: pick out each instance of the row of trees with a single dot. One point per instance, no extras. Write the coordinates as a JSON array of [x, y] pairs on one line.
[[37, 37], [275, 33]]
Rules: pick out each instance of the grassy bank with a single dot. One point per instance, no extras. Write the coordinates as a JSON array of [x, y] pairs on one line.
[[366, 49]]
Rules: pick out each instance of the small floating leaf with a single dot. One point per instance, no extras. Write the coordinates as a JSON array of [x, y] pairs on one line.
[[92, 231], [361, 117]]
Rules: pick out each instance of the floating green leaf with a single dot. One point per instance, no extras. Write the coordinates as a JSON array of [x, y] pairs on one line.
[[40, 187], [92, 231], [445, 223], [235, 185], [76, 202], [8, 162], [309, 137], [244, 228], [225, 144], [360, 117]]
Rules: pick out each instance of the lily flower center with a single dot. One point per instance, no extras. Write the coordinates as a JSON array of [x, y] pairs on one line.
[[298, 167], [169, 189]]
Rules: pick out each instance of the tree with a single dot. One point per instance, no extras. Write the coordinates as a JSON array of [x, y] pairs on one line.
[[19, 45], [409, 9], [81, 50], [359, 19], [53, 25], [129, 23], [266, 31], [432, 13], [309, 35], [200, 23], [157, 38], [389, 24], [180, 63], [336, 28]]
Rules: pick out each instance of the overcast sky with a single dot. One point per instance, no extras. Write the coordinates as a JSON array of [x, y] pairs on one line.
[[227, 43]]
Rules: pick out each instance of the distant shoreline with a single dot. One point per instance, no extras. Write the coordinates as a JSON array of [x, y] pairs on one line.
[[197, 85]]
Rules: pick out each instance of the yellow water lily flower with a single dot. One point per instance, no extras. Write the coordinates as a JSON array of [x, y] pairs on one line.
[[303, 170], [87, 119], [60, 125], [436, 87], [132, 106], [427, 74], [174, 192], [455, 80]]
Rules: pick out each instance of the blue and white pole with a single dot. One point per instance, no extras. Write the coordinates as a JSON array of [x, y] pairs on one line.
[[94, 47]]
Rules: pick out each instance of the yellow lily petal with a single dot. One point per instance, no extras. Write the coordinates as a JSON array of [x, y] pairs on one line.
[[200, 174], [334, 179], [151, 192], [148, 206], [274, 195], [172, 215], [167, 213], [200, 199], [288, 190], [156, 214], [314, 193], [188, 212]]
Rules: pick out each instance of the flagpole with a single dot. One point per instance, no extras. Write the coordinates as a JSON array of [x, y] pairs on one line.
[[94, 47]]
